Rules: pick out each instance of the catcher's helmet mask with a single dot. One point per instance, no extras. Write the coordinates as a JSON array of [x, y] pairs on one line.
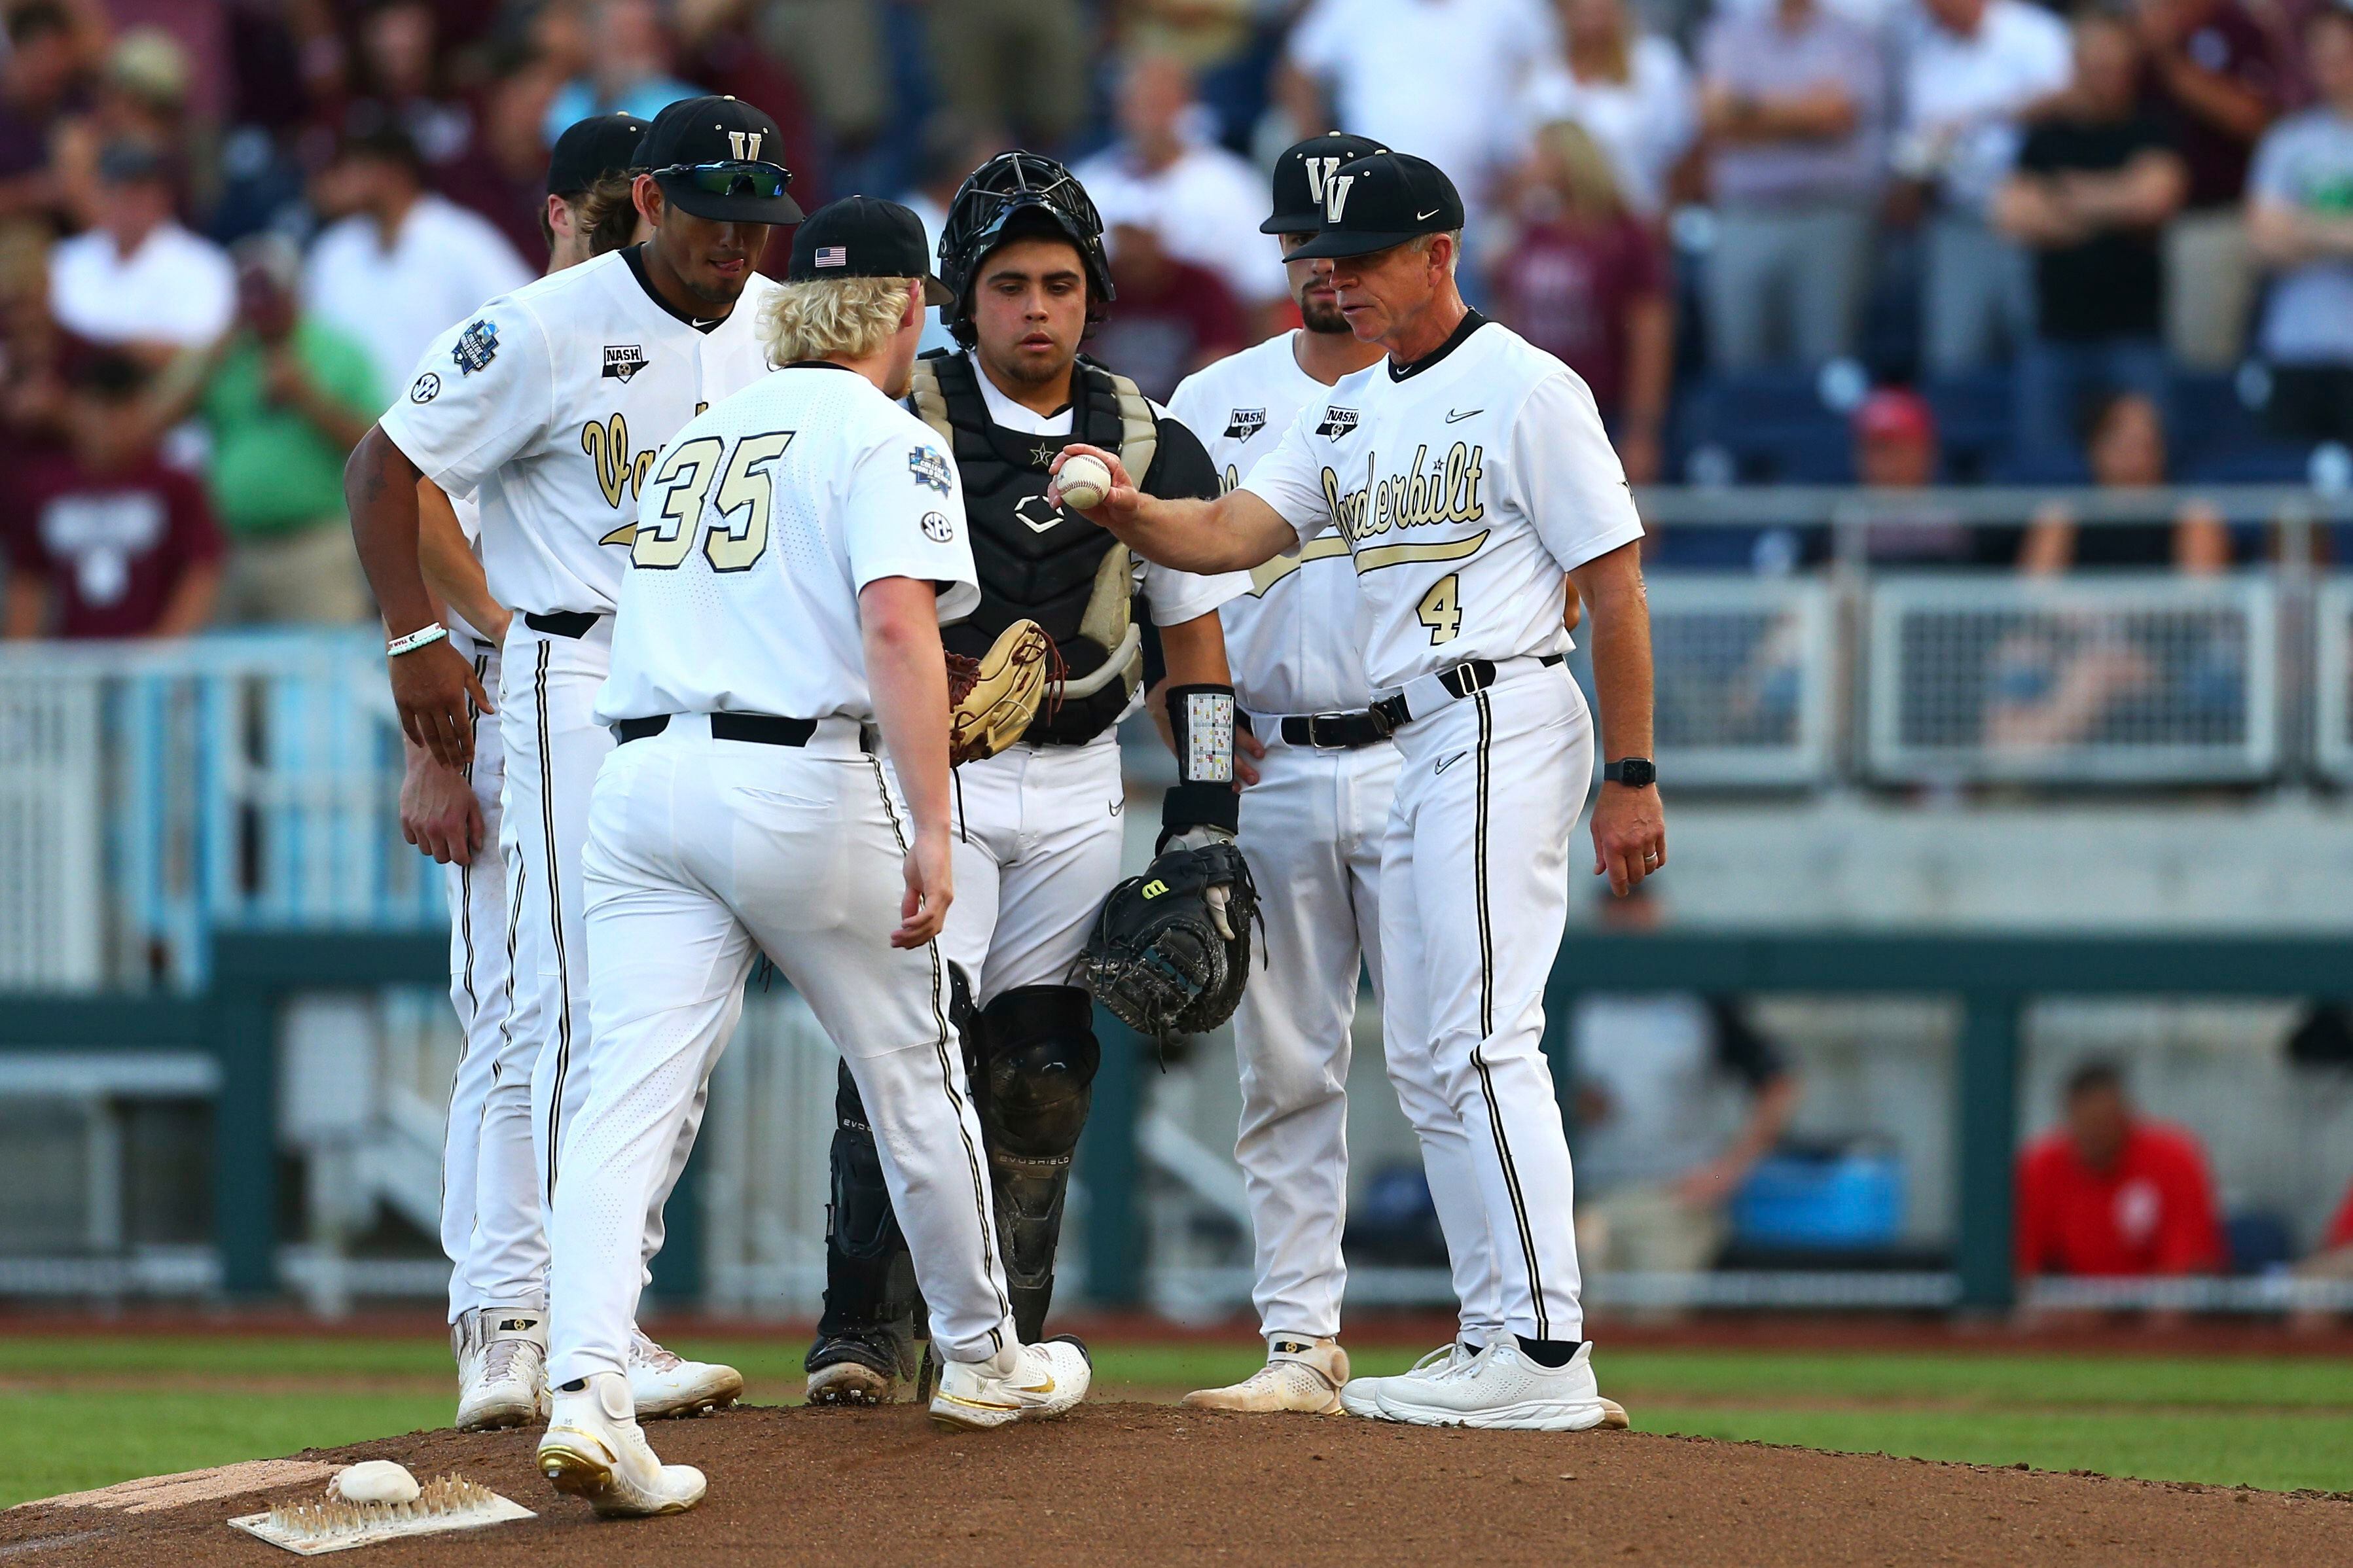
[[1018, 196]]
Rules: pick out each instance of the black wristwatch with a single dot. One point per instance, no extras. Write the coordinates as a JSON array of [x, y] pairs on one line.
[[1634, 773]]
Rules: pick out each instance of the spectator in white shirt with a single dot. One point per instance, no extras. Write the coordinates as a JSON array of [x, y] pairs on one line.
[[1164, 175], [138, 281], [1630, 89], [1972, 68], [1435, 77], [399, 265]]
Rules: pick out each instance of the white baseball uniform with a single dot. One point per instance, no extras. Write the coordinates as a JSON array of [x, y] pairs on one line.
[[1039, 837], [1465, 487], [766, 519], [1312, 828], [489, 1199], [549, 404]]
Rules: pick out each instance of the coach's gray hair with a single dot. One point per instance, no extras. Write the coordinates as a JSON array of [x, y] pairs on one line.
[[1454, 257], [834, 318]]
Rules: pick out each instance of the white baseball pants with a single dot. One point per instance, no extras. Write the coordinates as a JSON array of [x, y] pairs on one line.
[[1038, 843], [1313, 829], [554, 746], [490, 1198], [703, 854], [1475, 879]]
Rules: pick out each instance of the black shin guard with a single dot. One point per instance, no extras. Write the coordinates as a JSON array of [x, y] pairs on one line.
[[1037, 1056], [867, 1276]]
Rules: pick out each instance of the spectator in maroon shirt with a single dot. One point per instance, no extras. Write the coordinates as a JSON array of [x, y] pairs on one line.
[[1587, 281], [2211, 77], [103, 541], [1171, 318], [36, 79]]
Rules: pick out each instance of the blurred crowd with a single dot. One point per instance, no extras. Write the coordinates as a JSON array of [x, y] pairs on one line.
[[227, 226]]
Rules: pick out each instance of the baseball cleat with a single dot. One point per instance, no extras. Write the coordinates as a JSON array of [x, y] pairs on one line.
[[1502, 1387], [1301, 1375], [595, 1449], [664, 1383], [1019, 1382], [501, 1367], [1361, 1395], [854, 1369]]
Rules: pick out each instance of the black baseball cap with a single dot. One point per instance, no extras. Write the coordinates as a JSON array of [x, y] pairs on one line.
[[718, 158], [865, 237], [591, 149], [1380, 200], [1299, 176]]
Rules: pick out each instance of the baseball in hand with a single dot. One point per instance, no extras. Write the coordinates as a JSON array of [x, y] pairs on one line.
[[1086, 481]]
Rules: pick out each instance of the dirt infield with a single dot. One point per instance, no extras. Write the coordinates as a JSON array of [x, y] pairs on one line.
[[1119, 1483]]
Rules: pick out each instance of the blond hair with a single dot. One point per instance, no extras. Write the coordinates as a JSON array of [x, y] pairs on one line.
[[1582, 174], [834, 318]]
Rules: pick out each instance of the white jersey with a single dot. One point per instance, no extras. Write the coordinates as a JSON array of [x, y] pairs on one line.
[[765, 518], [551, 403], [1464, 489], [1296, 640]]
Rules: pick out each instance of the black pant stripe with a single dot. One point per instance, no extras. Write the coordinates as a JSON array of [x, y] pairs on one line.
[[947, 1081], [516, 887], [554, 920], [1487, 1024], [466, 870]]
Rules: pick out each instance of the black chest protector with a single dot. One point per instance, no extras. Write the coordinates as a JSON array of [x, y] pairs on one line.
[[1039, 561]]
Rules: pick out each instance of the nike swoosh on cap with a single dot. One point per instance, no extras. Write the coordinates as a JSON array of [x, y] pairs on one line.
[[1420, 217]]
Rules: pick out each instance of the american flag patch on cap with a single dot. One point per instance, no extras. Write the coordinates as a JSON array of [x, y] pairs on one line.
[[832, 256]]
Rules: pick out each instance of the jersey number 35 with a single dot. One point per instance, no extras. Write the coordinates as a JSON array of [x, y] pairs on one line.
[[737, 532]]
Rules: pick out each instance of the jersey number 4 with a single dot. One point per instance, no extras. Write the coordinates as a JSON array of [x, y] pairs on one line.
[[738, 532], [1441, 609]]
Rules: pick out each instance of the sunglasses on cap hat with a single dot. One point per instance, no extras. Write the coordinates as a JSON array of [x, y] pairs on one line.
[[730, 178]]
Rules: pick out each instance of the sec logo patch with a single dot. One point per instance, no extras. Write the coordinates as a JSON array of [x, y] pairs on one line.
[[937, 528], [425, 388]]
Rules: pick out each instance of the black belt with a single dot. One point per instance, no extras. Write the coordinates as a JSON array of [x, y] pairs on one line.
[[1334, 732], [573, 624], [760, 729], [1468, 679]]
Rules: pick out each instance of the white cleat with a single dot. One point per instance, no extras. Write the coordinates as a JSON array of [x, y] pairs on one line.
[[1019, 1382], [595, 1449], [1503, 1387], [1361, 1395], [1305, 1376], [501, 1367], [664, 1383]]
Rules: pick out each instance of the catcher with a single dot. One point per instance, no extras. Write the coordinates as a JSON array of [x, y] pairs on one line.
[[1038, 827]]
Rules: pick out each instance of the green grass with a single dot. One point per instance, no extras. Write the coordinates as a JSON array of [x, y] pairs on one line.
[[83, 1412]]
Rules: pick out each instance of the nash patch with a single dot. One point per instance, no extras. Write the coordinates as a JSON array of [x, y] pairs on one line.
[[1337, 422], [930, 468], [623, 361], [1245, 423], [477, 346]]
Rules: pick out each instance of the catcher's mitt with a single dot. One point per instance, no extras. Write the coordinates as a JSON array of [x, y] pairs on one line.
[[1155, 957], [992, 699]]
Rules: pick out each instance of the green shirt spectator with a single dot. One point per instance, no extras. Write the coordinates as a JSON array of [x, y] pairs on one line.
[[273, 470], [285, 399]]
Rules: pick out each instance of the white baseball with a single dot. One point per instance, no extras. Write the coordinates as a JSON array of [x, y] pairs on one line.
[[1086, 481], [375, 1480]]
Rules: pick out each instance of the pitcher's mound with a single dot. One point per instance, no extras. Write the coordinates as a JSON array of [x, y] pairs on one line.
[[1118, 1484]]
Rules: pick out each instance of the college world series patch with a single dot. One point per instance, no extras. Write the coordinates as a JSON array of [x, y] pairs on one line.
[[930, 468], [477, 346]]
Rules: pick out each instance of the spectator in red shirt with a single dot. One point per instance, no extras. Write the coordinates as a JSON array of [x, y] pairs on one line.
[[1172, 316], [103, 541], [1587, 281], [2109, 1193]]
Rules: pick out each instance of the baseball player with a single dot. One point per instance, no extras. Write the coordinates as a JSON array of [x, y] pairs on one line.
[[1039, 828], [490, 1227], [1311, 827], [797, 546], [551, 403], [1466, 473]]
